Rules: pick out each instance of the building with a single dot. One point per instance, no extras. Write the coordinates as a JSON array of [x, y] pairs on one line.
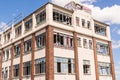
[[57, 43]]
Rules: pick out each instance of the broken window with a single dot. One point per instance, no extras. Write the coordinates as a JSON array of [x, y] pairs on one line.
[[104, 68], [63, 40], [62, 17], [102, 48], [41, 17], [100, 30]]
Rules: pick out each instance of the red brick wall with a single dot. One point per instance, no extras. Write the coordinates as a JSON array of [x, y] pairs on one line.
[[49, 53], [95, 59], [111, 60], [76, 55]]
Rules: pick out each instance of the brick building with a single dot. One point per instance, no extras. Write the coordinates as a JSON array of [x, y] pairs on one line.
[[57, 43]]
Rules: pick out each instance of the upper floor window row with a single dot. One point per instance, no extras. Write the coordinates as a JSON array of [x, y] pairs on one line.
[[100, 30], [41, 17], [102, 48], [62, 17]]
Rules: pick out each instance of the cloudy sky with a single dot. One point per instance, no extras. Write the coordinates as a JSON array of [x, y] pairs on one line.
[[107, 11]]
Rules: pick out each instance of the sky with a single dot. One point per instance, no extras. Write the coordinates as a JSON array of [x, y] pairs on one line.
[[107, 11]]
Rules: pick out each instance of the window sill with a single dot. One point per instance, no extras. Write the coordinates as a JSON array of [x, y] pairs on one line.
[[101, 34], [16, 77], [38, 74], [63, 23], [26, 76], [16, 56], [64, 73], [27, 30], [106, 75], [6, 60], [36, 49], [103, 54], [62, 47], [87, 28], [85, 47], [87, 73], [17, 35], [27, 52], [40, 23]]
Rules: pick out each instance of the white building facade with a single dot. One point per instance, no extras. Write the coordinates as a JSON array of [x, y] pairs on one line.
[[57, 43]]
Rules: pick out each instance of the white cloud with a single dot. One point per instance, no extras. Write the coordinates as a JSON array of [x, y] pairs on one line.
[[63, 2], [118, 32], [107, 14], [116, 44]]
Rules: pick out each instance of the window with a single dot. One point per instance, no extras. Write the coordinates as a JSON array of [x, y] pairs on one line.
[[41, 17], [40, 65], [4, 37], [3, 58], [88, 24], [64, 65], [7, 54], [27, 45], [6, 72], [63, 40], [18, 31], [100, 30], [85, 43], [16, 70], [17, 50], [90, 44], [40, 40], [104, 68], [77, 21], [79, 42], [86, 66], [102, 48], [8, 36], [83, 22], [2, 72], [62, 17], [26, 68], [28, 25]]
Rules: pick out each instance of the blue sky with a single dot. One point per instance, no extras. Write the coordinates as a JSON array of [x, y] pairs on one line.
[[104, 10]]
